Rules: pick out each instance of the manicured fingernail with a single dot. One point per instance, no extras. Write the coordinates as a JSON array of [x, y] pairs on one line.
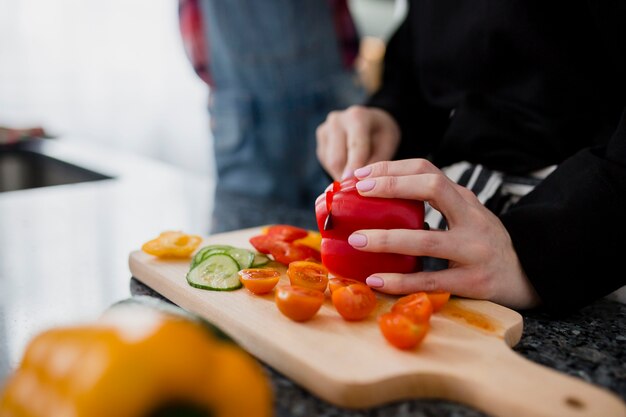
[[362, 172], [357, 240], [365, 185], [347, 173], [375, 282]]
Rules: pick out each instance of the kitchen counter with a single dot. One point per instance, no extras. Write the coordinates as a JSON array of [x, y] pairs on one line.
[[64, 252]]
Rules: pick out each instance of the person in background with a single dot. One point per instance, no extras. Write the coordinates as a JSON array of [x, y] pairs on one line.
[[509, 120], [275, 69]]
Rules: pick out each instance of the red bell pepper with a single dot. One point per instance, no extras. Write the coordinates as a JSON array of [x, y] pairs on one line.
[[344, 211]]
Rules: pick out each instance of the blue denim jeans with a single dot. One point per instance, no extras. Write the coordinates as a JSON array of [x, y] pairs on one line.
[[277, 73]]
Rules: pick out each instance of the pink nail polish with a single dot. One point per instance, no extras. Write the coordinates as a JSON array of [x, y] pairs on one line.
[[375, 282], [357, 240], [363, 172], [365, 185]]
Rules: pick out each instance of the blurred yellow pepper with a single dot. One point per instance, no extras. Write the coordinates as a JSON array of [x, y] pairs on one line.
[[172, 244], [135, 362]]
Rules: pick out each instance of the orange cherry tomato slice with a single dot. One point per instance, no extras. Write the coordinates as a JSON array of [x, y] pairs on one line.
[[401, 331], [354, 301], [338, 282], [259, 280], [438, 299], [416, 306], [308, 274], [298, 303]]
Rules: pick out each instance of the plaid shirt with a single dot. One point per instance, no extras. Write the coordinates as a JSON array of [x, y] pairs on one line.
[[191, 29]]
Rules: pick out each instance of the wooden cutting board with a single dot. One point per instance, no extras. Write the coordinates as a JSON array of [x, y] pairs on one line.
[[466, 356]]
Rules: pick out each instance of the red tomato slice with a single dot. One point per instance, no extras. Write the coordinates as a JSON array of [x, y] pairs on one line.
[[259, 280], [286, 232], [285, 252], [338, 282], [401, 331], [438, 299], [308, 274], [354, 301], [298, 303], [416, 306]]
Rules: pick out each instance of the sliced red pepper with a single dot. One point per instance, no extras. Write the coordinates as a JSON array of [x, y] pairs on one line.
[[278, 241], [286, 232], [286, 252], [262, 243]]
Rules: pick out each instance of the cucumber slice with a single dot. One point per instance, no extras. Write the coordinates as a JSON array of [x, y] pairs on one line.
[[205, 251], [260, 259], [243, 257], [218, 272]]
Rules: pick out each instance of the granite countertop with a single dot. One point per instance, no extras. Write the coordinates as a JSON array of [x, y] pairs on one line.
[[64, 252]]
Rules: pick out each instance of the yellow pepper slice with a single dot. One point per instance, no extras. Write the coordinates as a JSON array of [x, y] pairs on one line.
[[312, 240], [172, 244]]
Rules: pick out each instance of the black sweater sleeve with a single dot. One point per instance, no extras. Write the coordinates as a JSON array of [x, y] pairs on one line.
[[568, 232], [421, 125]]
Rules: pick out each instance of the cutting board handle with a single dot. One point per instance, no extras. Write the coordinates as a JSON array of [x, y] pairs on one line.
[[505, 383]]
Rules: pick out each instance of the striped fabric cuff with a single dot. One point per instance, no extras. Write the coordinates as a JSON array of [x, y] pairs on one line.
[[494, 189]]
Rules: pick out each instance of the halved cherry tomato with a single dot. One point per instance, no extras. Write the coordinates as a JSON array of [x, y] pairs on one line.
[[286, 232], [438, 299], [354, 301], [286, 252], [298, 303], [308, 274], [172, 244], [338, 282], [401, 331], [259, 280], [416, 306]]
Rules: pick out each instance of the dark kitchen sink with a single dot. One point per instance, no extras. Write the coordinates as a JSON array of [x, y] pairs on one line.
[[23, 168]]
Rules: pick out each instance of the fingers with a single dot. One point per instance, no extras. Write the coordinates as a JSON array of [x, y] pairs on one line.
[[436, 189], [407, 283], [331, 145], [434, 243], [515, 291], [385, 136], [455, 281], [354, 137], [397, 168], [358, 145]]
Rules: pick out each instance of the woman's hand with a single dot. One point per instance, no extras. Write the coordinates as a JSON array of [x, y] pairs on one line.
[[482, 261], [355, 137]]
